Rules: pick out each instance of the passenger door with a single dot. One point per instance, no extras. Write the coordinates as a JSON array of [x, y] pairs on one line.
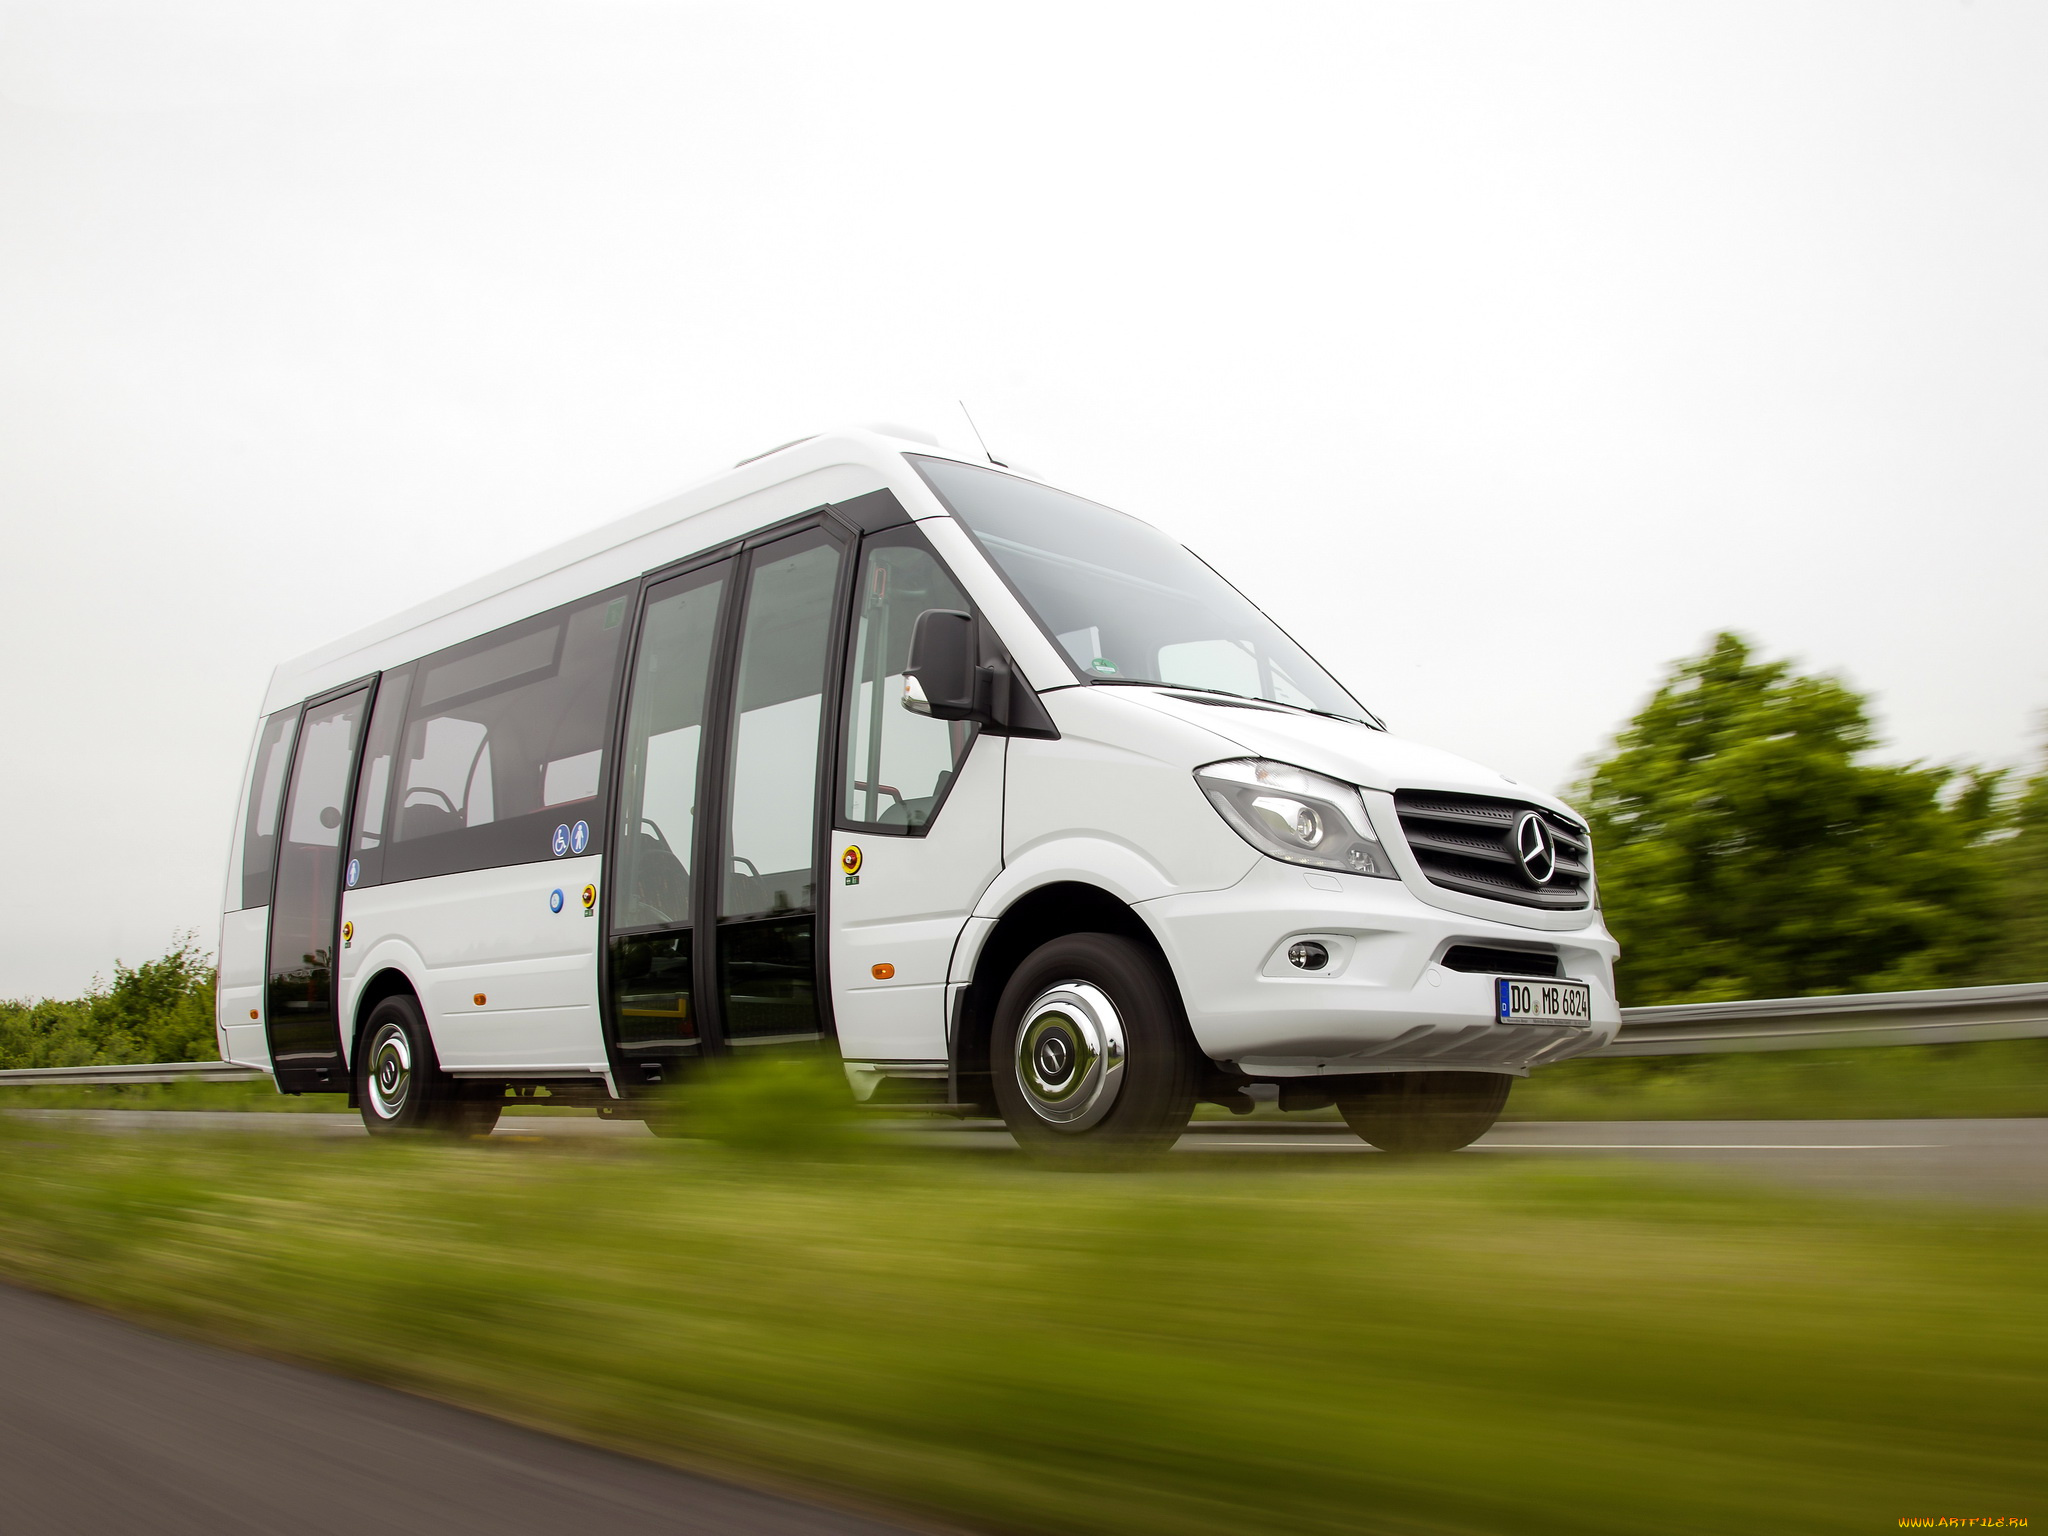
[[768, 850], [654, 956], [299, 1013], [714, 940], [918, 819]]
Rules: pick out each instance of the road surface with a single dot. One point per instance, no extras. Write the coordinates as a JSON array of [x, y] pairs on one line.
[[2000, 1161], [107, 1429]]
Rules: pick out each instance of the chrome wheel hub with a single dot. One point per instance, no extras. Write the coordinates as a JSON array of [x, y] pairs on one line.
[[1070, 1055], [390, 1071]]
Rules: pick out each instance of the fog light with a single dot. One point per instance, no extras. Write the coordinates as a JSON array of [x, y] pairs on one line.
[[1308, 955]]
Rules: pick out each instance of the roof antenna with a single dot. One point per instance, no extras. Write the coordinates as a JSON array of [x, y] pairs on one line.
[[999, 464]]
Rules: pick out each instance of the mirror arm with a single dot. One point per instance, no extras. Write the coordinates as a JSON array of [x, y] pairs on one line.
[[1006, 705]]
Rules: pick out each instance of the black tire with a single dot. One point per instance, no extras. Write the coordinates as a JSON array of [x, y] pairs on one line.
[[1082, 1105], [1424, 1111], [475, 1109], [400, 1087]]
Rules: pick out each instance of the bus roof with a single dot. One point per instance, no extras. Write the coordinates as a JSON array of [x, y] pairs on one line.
[[759, 491]]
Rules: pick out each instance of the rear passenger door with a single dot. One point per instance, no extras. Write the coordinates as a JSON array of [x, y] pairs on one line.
[[300, 1014]]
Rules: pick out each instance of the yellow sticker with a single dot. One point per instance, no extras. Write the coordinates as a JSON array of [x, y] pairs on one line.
[[589, 897], [850, 860], [348, 934]]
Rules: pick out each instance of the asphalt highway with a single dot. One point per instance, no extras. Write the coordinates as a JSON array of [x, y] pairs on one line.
[[107, 1429], [1999, 1161]]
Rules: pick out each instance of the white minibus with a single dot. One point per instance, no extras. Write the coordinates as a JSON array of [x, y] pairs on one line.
[[1005, 797]]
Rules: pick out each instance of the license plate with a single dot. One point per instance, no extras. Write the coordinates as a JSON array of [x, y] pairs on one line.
[[1526, 1000]]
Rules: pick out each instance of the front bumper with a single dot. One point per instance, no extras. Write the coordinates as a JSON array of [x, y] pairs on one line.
[[1384, 1003]]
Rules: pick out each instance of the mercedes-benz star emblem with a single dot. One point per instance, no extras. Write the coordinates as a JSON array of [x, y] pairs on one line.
[[1534, 850]]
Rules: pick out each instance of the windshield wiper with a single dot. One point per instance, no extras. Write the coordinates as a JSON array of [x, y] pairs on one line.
[[1371, 722]]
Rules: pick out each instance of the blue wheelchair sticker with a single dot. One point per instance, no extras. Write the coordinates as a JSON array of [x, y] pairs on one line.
[[579, 837], [554, 901], [561, 843]]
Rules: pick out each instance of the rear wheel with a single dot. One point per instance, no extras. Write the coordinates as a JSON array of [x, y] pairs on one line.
[[1424, 1111], [400, 1086], [1090, 1059]]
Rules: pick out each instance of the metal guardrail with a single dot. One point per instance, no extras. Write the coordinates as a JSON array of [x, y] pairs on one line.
[[1945, 1017], [133, 1072]]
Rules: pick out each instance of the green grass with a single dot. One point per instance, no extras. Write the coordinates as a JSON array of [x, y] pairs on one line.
[[1219, 1346]]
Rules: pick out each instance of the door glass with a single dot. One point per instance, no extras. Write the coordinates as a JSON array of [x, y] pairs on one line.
[[304, 1041], [652, 971], [898, 764], [769, 877], [260, 800], [373, 784]]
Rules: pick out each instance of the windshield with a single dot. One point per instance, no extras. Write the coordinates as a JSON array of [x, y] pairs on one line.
[[1124, 601]]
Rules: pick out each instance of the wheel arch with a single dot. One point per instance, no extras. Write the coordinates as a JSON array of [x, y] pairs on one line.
[[390, 981], [1043, 913]]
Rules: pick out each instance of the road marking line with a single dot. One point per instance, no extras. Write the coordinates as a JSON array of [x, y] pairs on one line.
[[1709, 1146]]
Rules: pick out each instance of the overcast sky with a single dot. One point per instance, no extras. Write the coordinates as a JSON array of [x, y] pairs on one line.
[[1503, 352]]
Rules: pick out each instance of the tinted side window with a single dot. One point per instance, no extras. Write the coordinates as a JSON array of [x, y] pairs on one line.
[[898, 764], [261, 802], [504, 743]]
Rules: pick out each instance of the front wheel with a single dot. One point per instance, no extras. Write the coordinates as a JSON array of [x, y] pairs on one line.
[[400, 1086], [1424, 1111], [1089, 1057]]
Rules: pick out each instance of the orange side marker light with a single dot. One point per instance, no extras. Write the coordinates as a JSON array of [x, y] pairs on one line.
[[480, 999], [884, 971]]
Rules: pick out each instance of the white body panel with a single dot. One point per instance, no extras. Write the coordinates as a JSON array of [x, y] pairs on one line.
[[488, 931], [906, 911], [238, 996], [1114, 803]]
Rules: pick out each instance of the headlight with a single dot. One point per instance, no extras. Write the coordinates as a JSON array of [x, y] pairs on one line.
[[1296, 815]]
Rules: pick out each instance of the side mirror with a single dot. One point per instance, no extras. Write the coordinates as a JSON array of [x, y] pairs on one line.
[[940, 678]]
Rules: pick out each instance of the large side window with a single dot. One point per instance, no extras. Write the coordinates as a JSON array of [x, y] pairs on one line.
[[898, 765], [504, 745], [256, 838]]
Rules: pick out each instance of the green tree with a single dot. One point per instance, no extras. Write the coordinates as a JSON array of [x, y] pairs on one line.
[[161, 1010], [1745, 850], [2022, 864]]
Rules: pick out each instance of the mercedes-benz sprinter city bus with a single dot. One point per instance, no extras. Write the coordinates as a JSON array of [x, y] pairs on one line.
[[1002, 795]]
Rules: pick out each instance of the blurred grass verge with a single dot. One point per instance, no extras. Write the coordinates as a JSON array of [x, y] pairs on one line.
[[1222, 1346]]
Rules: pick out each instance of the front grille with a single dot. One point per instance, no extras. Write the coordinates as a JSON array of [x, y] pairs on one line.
[[1467, 843], [1487, 961]]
